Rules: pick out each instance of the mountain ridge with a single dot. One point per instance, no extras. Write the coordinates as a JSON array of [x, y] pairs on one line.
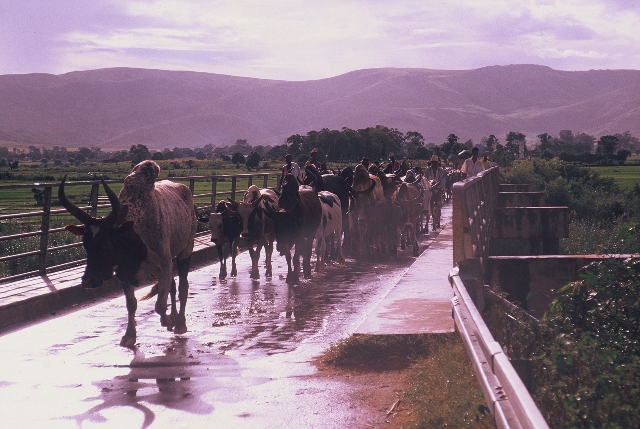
[[117, 107]]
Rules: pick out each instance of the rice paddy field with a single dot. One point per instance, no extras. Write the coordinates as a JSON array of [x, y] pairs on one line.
[[625, 176]]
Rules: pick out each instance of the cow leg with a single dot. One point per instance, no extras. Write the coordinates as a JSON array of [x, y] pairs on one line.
[[338, 247], [268, 252], [320, 249], [255, 256], [234, 252], [347, 235], [183, 293], [436, 217], [174, 311], [129, 338], [292, 272], [307, 249], [165, 278], [223, 263]]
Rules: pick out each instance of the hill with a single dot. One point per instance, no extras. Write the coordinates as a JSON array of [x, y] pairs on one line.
[[115, 108]]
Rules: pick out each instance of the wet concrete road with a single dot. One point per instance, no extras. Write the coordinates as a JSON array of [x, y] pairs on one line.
[[246, 361]]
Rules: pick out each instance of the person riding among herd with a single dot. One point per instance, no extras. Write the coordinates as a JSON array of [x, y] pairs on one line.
[[437, 176], [290, 167], [473, 165], [365, 162], [435, 172], [314, 160]]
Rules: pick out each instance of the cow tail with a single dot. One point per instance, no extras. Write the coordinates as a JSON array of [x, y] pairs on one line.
[[153, 292]]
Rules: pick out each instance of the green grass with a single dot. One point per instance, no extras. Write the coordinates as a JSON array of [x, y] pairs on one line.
[[625, 176], [22, 200], [442, 388]]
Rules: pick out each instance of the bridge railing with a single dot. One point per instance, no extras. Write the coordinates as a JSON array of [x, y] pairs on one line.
[[506, 395], [35, 242]]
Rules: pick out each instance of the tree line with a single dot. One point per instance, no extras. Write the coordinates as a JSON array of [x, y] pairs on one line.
[[349, 145]]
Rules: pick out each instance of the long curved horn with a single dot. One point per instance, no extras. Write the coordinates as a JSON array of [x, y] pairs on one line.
[[113, 199], [76, 211], [366, 191]]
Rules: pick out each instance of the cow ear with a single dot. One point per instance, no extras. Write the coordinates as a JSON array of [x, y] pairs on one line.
[[75, 229]]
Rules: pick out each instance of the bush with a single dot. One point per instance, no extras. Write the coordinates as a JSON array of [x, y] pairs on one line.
[[587, 372]]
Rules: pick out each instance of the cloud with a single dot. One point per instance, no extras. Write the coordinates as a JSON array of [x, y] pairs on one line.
[[293, 39]]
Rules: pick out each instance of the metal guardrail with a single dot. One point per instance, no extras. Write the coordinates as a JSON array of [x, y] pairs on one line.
[[45, 213], [507, 397]]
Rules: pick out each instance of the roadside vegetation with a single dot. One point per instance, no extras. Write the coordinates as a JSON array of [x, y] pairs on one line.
[[586, 350], [442, 390]]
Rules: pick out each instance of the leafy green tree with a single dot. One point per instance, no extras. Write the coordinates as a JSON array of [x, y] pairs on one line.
[[451, 147], [607, 146], [502, 156], [628, 142], [584, 142], [85, 151], [253, 160], [514, 139], [277, 152], [238, 158], [295, 144], [491, 143], [201, 156], [413, 140], [139, 153], [545, 142]]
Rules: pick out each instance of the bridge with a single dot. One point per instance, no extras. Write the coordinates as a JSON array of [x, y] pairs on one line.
[[449, 287]]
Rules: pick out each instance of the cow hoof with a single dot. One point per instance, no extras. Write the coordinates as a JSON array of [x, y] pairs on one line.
[[128, 341], [168, 321], [179, 330], [255, 276], [234, 273]]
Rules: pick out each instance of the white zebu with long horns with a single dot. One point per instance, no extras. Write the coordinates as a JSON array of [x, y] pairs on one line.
[[150, 224]]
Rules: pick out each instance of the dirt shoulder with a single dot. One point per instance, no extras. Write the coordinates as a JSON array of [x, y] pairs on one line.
[[377, 391]]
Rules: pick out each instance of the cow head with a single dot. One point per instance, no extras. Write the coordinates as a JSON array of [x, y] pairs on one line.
[[224, 221], [110, 243], [287, 225], [252, 215]]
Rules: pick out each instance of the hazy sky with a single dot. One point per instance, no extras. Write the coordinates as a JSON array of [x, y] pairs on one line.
[[301, 40]]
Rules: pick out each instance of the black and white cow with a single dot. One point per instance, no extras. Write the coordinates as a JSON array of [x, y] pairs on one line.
[[150, 224], [257, 228], [330, 229], [336, 185], [225, 225], [296, 222]]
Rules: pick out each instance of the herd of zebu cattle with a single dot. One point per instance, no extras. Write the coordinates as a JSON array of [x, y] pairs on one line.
[[363, 213]]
